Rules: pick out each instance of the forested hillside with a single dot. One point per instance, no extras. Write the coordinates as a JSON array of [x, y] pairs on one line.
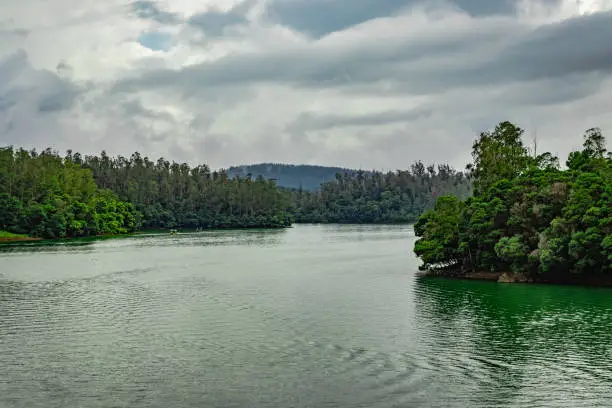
[[376, 197], [527, 217], [306, 177]]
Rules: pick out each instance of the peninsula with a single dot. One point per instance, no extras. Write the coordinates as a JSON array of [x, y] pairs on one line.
[[529, 220]]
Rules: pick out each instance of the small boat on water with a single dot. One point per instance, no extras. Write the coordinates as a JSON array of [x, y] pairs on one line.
[[173, 232]]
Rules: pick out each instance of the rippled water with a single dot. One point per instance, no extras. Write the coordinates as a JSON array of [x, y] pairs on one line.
[[313, 316]]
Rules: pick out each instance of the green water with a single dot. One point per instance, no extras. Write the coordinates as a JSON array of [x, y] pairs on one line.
[[313, 316]]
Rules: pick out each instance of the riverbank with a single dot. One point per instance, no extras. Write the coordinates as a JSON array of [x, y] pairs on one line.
[[8, 237], [25, 239]]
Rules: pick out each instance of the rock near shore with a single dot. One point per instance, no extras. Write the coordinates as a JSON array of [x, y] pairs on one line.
[[507, 277]]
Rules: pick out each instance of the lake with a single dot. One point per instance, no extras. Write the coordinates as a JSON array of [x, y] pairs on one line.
[[312, 316]]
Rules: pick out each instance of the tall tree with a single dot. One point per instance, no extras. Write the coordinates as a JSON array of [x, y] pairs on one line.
[[498, 155]]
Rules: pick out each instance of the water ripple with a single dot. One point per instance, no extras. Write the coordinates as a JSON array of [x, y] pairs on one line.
[[321, 316]]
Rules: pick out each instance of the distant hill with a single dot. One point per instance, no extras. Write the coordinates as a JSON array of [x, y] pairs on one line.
[[292, 176]]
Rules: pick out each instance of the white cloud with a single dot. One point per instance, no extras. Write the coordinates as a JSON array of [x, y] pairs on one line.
[[234, 85]]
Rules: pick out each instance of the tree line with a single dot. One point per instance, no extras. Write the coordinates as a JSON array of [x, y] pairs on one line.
[[44, 194], [50, 196], [527, 216], [375, 197]]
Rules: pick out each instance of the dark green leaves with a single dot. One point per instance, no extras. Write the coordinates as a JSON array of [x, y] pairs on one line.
[[526, 215]]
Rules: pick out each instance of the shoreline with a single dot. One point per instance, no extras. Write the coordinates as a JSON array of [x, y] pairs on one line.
[[508, 277], [16, 240], [7, 240]]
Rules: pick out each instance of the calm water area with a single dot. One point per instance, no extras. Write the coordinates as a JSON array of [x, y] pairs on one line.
[[311, 316]]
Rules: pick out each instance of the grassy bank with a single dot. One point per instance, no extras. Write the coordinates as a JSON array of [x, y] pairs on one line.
[[10, 238], [6, 236]]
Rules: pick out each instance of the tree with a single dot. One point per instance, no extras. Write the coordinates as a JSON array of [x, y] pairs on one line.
[[438, 230], [498, 155]]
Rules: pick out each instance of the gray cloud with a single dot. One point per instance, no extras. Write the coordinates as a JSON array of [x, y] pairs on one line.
[[21, 85], [461, 58], [314, 121], [275, 87], [552, 91], [135, 108], [213, 22], [30, 102], [146, 9], [320, 17]]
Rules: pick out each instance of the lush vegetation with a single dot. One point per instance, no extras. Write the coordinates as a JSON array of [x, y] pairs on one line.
[[528, 216], [43, 195], [46, 195], [6, 236], [51, 196], [375, 197], [175, 195], [302, 176]]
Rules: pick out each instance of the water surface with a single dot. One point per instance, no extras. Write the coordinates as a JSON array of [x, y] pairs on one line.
[[313, 316]]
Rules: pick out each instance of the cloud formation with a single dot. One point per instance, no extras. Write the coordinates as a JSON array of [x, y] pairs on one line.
[[361, 83]]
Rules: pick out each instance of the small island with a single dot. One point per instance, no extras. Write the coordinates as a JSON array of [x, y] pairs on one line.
[[528, 220]]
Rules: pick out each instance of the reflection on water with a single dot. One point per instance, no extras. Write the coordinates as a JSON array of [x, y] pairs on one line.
[[522, 345], [313, 316], [254, 237]]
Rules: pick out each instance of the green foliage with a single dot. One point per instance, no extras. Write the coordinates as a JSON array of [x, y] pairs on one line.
[[512, 251], [10, 235], [375, 197], [439, 231], [497, 155], [44, 195], [527, 215], [175, 195]]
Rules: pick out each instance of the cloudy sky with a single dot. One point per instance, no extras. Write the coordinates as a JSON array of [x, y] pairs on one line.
[[356, 83]]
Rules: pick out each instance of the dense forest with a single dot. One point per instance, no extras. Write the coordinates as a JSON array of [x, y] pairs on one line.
[[51, 196], [170, 195], [302, 176], [46, 195], [527, 217], [376, 197]]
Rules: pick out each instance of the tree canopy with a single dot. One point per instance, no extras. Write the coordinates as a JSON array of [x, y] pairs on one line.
[[46, 195], [527, 215], [43, 195], [376, 197]]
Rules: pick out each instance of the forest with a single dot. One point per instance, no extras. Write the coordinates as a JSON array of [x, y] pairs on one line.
[[291, 176], [49, 196], [376, 197], [44, 195], [528, 217]]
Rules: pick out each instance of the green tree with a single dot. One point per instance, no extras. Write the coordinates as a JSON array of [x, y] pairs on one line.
[[498, 155], [527, 215]]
